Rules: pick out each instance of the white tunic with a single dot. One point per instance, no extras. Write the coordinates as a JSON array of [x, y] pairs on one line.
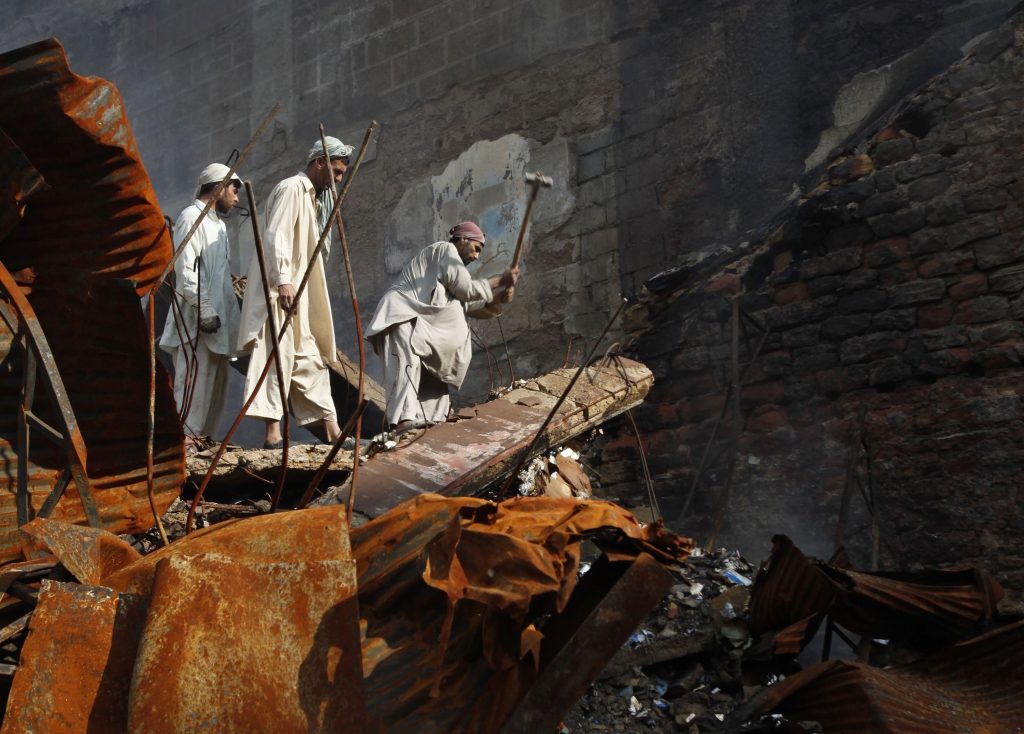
[[203, 272], [289, 239], [436, 290]]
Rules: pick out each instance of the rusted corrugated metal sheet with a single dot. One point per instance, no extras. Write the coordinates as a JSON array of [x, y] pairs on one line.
[[99, 214], [245, 626], [925, 607], [793, 593], [87, 246], [463, 457], [461, 606], [236, 646], [976, 687], [76, 666], [89, 554], [790, 597], [459, 660]]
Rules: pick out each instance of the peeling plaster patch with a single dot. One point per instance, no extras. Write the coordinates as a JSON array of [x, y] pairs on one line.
[[856, 102], [484, 184], [858, 99]]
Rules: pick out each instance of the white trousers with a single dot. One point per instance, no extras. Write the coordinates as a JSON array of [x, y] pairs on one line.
[[412, 392], [309, 383], [209, 390]]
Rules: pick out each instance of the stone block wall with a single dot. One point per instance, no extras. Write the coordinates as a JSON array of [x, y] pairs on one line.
[[670, 128], [892, 293]]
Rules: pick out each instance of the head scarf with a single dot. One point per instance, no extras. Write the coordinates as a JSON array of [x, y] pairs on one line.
[[466, 230], [335, 149], [214, 173], [325, 198]]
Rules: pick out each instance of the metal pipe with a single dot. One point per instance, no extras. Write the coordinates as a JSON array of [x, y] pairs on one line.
[[352, 421], [737, 425], [272, 319], [362, 368], [643, 464], [343, 240], [151, 424], [725, 406]]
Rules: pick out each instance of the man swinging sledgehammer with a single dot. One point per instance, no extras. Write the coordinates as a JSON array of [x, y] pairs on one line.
[[419, 328]]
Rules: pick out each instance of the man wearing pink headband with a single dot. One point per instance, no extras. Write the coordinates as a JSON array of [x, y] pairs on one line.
[[419, 328]]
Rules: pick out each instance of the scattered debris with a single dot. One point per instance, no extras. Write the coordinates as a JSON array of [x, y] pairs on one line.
[[682, 665], [695, 666]]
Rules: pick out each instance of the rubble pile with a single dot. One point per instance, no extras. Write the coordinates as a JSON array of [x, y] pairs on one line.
[[682, 669], [937, 651]]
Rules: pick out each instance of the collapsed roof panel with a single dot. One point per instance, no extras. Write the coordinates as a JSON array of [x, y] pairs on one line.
[[971, 688], [89, 242], [99, 213], [792, 593]]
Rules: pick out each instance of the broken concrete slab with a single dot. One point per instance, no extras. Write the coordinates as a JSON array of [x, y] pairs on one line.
[[238, 466], [464, 457]]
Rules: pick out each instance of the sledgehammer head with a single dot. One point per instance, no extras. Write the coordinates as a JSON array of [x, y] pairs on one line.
[[538, 179]]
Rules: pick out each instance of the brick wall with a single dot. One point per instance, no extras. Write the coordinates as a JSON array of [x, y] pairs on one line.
[[893, 291]]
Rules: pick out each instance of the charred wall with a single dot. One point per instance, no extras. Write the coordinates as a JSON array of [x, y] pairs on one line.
[[673, 130], [670, 127], [892, 292]]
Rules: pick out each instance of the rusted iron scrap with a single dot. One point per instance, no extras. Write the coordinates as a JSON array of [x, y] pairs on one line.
[[975, 687], [467, 615], [84, 238], [99, 213], [792, 595]]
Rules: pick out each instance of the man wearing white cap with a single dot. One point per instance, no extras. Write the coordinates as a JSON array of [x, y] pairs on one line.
[[206, 317], [296, 214], [419, 328]]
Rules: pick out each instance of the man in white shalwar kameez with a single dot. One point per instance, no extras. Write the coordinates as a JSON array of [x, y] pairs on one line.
[[419, 328], [207, 309], [295, 216]]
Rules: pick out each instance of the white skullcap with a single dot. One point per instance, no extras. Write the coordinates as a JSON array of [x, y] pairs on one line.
[[335, 149], [214, 173]]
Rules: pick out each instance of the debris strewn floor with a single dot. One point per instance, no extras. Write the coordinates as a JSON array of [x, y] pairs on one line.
[[704, 660]]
